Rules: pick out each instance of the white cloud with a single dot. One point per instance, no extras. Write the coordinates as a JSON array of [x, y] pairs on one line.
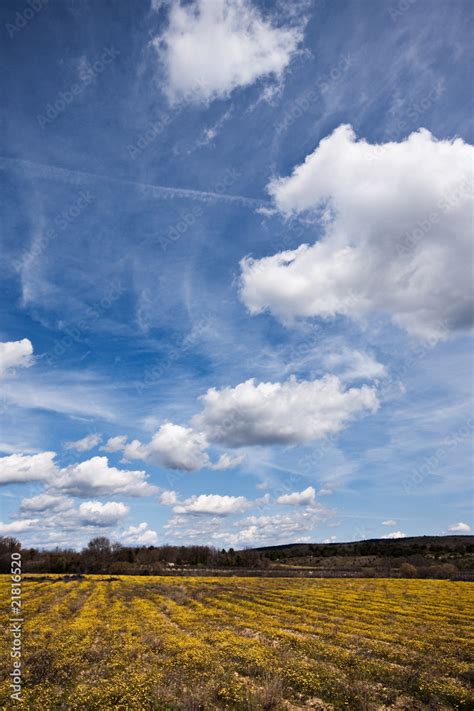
[[389, 522], [173, 446], [397, 222], [141, 535], [331, 539], [228, 461], [15, 354], [395, 534], [58, 522], [325, 491], [168, 498], [251, 414], [114, 444], [91, 477], [203, 527], [84, 444], [95, 477], [354, 365], [157, 5], [212, 504], [307, 497], [94, 513], [27, 467], [459, 527], [289, 412], [9, 448], [8, 529], [297, 525], [255, 530], [211, 47], [46, 502]]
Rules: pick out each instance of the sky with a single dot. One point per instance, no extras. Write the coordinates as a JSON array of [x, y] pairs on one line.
[[236, 303]]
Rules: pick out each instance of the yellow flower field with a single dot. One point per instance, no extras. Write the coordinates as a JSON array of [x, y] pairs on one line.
[[242, 643]]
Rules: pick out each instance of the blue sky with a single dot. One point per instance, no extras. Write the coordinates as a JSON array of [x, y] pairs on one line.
[[162, 167]]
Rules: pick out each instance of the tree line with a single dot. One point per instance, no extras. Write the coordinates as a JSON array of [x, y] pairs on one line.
[[104, 556], [441, 557]]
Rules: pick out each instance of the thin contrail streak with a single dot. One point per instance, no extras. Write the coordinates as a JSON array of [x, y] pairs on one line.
[[79, 177]]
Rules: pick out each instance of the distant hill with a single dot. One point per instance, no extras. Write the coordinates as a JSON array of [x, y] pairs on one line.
[[382, 546], [417, 556]]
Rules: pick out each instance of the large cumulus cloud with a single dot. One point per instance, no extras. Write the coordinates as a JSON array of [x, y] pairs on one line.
[[396, 224]]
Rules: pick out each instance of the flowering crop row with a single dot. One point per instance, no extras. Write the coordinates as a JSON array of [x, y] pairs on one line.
[[243, 643]]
